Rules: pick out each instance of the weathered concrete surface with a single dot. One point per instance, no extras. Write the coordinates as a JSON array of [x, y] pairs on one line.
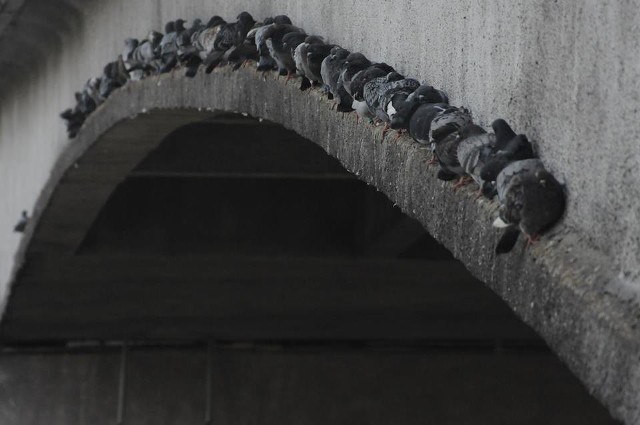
[[566, 291], [566, 73], [305, 387]]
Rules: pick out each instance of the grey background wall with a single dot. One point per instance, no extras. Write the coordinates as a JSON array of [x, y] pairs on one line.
[[565, 73]]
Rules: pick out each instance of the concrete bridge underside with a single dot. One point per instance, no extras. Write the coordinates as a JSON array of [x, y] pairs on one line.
[[547, 286], [564, 73]]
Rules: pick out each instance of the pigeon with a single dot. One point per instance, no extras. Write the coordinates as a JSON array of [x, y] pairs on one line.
[[384, 94], [357, 84], [168, 46], [330, 71], [394, 97], [229, 36], [473, 152], [22, 223], [265, 61], [419, 119], [202, 45], [448, 121], [114, 75], [316, 54], [301, 59], [145, 59], [130, 45], [281, 53], [531, 201], [423, 95], [74, 120], [354, 63], [92, 88], [509, 147], [446, 151]]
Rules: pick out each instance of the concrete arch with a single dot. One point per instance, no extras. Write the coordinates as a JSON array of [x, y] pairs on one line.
[[573, 302]]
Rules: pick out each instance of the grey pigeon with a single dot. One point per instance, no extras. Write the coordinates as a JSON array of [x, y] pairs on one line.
[[168, 46], [473, 152], [446, 151], [448, 121], [531, 201], [265, 61], [356, 87], [301, 59], [229, 36], [130, 45], [423, 95], [316, 54], [330, 71], [354, 63], [22, 223], [509, 147], [279, 50], [146, 57], [202, 45]]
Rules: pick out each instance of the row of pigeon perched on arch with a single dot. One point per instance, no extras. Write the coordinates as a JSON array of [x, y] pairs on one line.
[[502, 163]]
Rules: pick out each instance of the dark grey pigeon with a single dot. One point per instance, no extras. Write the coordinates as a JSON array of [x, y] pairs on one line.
[[265, 61], [358, 82], [419, 122], [229, 36], [474, 152], [446, 151], [423, 95], [354, 63], [281, 52], [203, 41], [130, 45], [330, 71], [245, 52], [301, 59], [448, 121], [316, 54], [509, 147], [145, 59], [531, 202], [22, 223], [168, 46]]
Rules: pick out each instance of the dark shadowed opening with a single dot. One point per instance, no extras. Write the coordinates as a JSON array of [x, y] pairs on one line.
[[247, 266]]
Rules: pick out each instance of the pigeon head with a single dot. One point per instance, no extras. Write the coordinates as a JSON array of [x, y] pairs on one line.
[[215, 21], [503, 132], [196, 23], [246, 19], [169, 27], [267, 21], [154, 37], [282, 19], [179, 25], [357, 59], [314, 39], [428, 94]]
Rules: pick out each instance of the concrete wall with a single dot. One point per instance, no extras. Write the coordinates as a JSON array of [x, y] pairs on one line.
[[296, 387], [566, 73]]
